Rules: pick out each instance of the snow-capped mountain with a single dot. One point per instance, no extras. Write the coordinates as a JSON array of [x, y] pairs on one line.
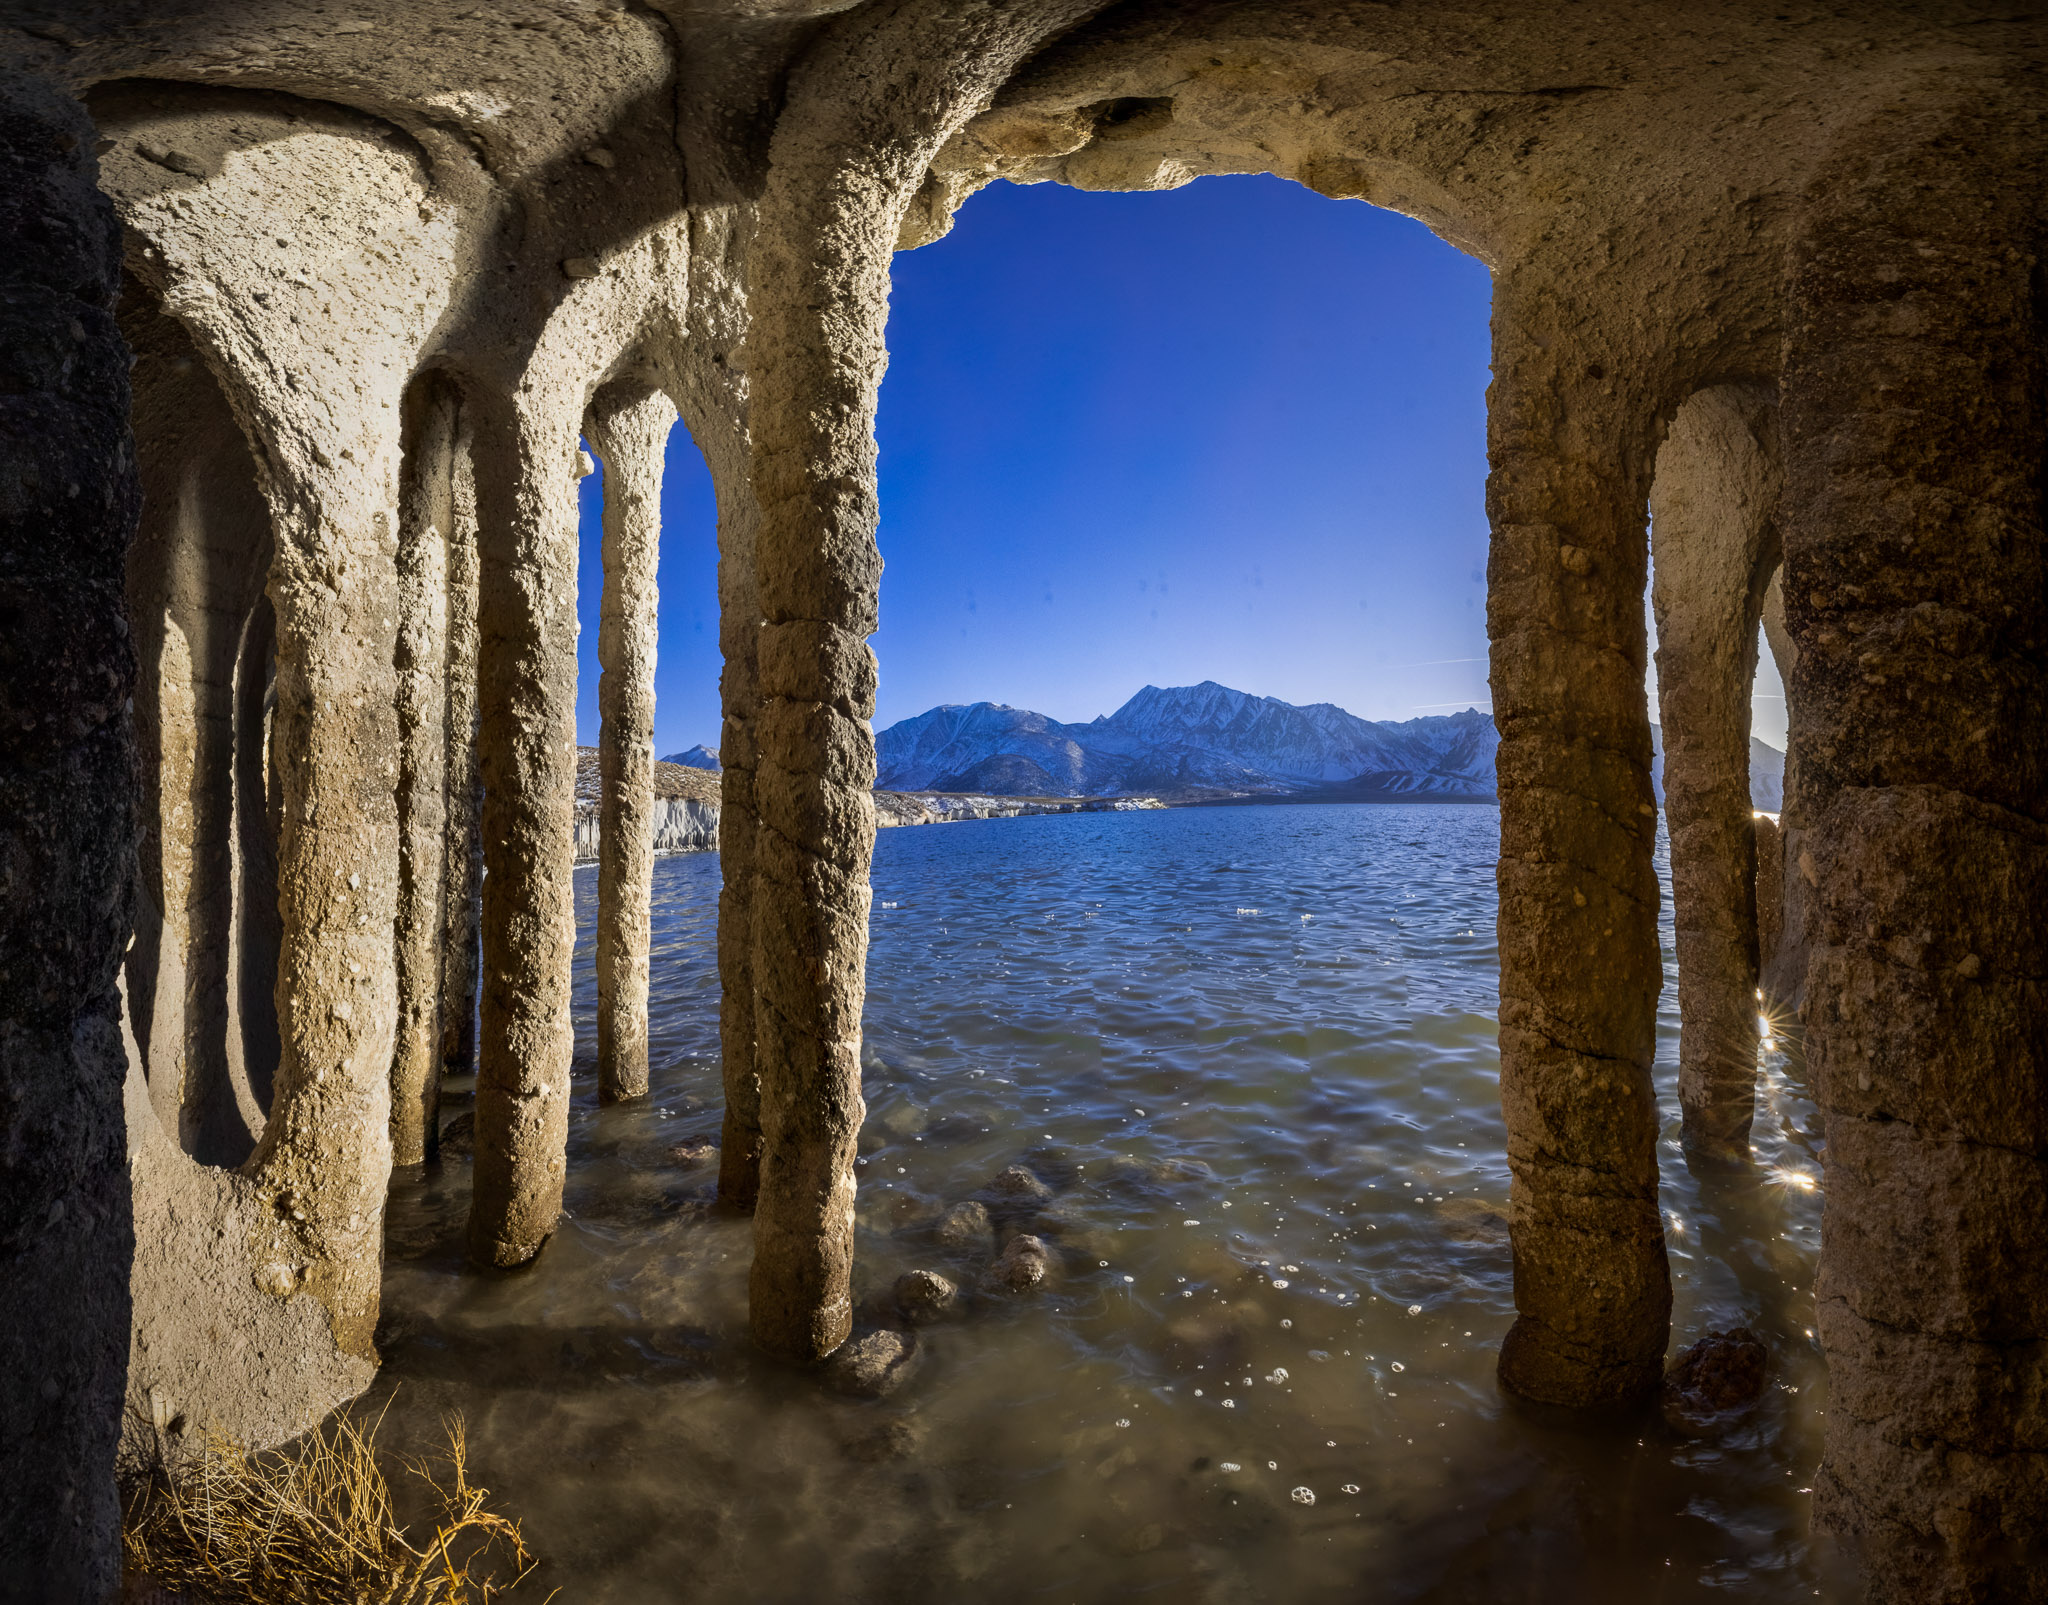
[[698, 757], [1189, 740]]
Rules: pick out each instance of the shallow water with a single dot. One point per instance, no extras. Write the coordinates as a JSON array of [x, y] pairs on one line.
[[1252, 1050]]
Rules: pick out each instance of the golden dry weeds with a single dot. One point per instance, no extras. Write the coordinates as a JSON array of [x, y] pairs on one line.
[[313, 1523]]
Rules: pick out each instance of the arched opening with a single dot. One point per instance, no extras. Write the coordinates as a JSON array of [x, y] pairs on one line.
[[201, 973]]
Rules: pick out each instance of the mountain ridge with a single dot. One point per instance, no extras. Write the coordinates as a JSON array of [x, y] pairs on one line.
[[1211, 742], [1188, 742]]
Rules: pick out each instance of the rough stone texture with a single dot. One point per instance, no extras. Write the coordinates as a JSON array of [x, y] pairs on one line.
[[629, 431], [462, 861], [1024, 1266], [331, 209], [925, 1297], [1770, 900], [426, 512], [1715, 1382], [1783, 968], [526, 695], [1578, 892], [1917, 590], [68, 505], [195, 577], [848, 155], [1715, 546], [256, 1290], [874, 1364]]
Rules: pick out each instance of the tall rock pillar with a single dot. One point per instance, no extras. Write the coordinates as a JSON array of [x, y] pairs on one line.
[[1570, 452], [425, 515], [68, 505], [1916, 588], [1715, 544], [525, 465], [629, 432], [462, 858]]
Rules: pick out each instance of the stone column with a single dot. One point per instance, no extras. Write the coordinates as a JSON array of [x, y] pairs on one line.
[[715, 400], [1570, 449], [1782, 941], [462, 861], [68, 503], [526, 460], [848, 154], [1715, 544], [1917, 591], [629, 432], [425, 514]]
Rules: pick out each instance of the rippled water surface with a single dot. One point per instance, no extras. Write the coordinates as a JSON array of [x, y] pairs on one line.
[[1252, 1052]]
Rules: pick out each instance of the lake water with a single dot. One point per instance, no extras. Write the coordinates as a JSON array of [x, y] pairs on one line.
[[1253, 1051]]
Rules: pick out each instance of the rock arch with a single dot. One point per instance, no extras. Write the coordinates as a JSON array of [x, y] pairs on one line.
[[537, 200]]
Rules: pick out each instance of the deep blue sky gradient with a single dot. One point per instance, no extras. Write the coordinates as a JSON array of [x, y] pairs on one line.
[[1234, 432]]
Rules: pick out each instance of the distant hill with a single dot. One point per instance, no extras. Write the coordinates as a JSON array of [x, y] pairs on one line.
[[1188, 742], [698, 757]]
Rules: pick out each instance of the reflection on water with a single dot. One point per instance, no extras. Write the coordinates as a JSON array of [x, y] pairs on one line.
[[1251, 1054]]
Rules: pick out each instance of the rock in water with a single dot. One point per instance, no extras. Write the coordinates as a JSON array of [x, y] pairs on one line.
[[967, 1226], [458, 1137], [1024, 1267], [1018, 1188], [925, 1297], [1715, 1382], [872, 1365]]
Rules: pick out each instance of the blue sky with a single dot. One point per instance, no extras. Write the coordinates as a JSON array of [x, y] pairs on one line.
[[1234, 432]]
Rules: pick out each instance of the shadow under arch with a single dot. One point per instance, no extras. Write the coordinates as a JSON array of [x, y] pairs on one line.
[[201, 973]]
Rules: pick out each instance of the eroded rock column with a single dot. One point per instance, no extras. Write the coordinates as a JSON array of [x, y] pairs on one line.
[[68, 503], [854, 143], [425, 513], [462, 860], [1917, 590], [525, 455], [1711, 511], [629, 431], [1579, 965]]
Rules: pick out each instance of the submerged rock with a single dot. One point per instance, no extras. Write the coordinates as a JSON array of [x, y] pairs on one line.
[[458, 1137], [925, 1297], [967, 1226], [1715, 1382], [1018, 1187], [694, 1152], [872, 1365], [892, 1440], [1024, 1266]]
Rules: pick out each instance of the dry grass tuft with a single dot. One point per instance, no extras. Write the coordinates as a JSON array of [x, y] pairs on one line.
[[314, 1524]]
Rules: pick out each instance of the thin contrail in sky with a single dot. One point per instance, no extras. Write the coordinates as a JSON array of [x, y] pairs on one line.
[[1462, 702], [1435, 663]]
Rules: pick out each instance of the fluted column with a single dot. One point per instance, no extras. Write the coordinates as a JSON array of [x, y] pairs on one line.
[[462, 860], [525, 455], [425, 514], [629, 431], [67, 836], [1715, 544], [1570, 453], [1916, 425]]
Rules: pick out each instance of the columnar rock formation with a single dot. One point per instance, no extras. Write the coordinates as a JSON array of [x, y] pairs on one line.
[[1711, 513], [630, 433], [382, 264]]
